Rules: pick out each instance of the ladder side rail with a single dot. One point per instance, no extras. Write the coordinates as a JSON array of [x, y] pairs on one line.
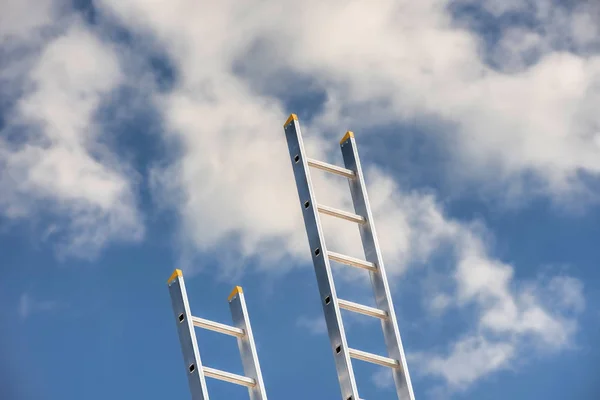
[[187, 337], [246, 344], [320, 259], [379, 281]]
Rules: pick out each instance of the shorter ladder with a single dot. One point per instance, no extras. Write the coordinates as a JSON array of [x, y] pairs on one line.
[[186, 322]]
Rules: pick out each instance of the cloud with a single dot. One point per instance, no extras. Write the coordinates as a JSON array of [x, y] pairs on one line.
[[28, 306], [566, 292], [511, 318], [21, 19], [314, 325], [469, 359], [52, 150], [378, 65]]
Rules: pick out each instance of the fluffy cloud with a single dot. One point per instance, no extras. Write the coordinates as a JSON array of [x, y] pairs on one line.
[[538, 315], [22, 19], [382, 64], [469, 359], [51, 148]]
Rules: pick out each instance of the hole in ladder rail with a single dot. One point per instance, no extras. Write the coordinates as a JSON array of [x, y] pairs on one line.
[[317, 251], [338, 349], [181, 317], [327, 300], [296, 158], [192, 368], [306, 204]]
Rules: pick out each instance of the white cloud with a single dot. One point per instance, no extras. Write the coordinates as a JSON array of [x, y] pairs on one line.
[[314, 325], [378, 63], [21, 19], [512, 317], [28, 305], [567, 292], [383, 378], [439, 302], [469, 359], [55, 155]]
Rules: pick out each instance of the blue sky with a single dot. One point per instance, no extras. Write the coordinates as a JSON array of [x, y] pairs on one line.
[[137, 137]]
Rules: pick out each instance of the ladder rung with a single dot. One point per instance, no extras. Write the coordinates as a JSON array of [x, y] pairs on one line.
[[355, 262], [229, 377], [359, 308], [348, 173], [373, 358], [341, 214], [217, 327]]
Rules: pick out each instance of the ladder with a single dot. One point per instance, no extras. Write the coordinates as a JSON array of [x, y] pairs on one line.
[[373, 262], [186, 322]]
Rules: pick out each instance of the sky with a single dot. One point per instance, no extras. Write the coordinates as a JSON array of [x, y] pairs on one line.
[[141, 136]]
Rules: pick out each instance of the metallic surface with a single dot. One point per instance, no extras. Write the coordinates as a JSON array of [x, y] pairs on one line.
[[331, 310], [379, 281], [361, 309], [355, 262], [241, 320], [189, 346], [373, 358], [229, 377], [334, 169], [373, 262], [187, 337], [217, 327], [334, 212]]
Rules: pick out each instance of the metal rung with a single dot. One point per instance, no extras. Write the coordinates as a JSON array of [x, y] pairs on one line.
[[341, 214], [359, 308], [229, 377], [373, 358], [217, 327], [348, 173], [355, 262]]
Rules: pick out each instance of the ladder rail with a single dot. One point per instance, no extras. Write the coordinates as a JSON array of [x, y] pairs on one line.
[[322, 267], [187, 337], [379, 282], [246, 344]]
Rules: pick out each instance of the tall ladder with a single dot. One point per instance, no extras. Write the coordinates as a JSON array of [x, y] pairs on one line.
[[373, 263], [186, 322]]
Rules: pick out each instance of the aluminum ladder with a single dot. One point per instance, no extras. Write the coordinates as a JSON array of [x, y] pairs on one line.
[[186, 322], [373, 262]]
